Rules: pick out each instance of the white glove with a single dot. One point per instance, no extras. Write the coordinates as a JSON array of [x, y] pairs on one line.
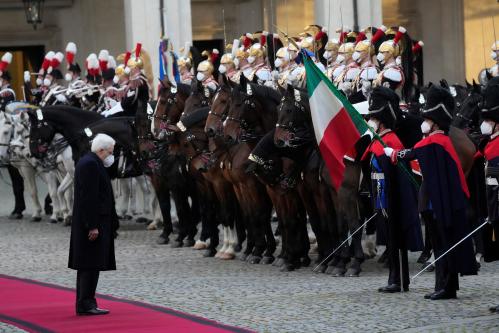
[[61, 98], [27, 77], [388, 151]]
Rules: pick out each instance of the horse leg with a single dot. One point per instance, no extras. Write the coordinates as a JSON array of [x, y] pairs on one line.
[[147, 198], [162, 191], [131, 201], [29, 176], [18, 189], [51, 180]]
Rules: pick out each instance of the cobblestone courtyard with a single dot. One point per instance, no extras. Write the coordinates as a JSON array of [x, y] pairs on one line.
[[255, 297]]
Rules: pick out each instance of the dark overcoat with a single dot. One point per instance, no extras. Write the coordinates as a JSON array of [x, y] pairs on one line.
[[93, 208]]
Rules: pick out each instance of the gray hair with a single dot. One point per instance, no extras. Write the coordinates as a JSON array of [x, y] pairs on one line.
[[102, 141]]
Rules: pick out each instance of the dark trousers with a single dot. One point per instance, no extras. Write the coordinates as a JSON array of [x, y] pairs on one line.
[[397, 257], [446, 278], [86, 284], [17, 188]]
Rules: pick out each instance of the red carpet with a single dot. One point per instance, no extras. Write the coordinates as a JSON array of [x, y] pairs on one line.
[[40, 307]]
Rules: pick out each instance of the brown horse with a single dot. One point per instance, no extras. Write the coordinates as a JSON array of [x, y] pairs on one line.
[[294, 137], [169, 172], [241, 133]]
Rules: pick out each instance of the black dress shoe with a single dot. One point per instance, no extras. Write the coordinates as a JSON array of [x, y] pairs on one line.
[[391, 288], [443, 294], [494, 309], [93, 312], [429, 295]]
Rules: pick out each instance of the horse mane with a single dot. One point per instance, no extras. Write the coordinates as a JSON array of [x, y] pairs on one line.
[[184, 89], [267, 93], [194, 117]]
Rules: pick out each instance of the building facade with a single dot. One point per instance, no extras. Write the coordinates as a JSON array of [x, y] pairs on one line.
[[457, 33]]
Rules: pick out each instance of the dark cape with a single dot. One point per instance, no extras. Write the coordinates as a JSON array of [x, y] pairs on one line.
[[401, 196], [448, 193], [93, 208], [490, 231]]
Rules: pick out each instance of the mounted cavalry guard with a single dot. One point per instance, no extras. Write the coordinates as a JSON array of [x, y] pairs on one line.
[[73, 76], [330, 54], [363, 55], [206, 68], [185, 65], [109, 96], [394, 197], [395, 55], [284, 66], [490, 129], [7, 95], [138, 92], [54, 82], [444, 191], [227, 66], [350, 70]]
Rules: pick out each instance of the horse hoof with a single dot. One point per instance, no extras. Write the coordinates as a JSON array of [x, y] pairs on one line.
[[338, 272], [305, 261], [67, 221], [267, 260], [254, 259], [278, 263], [209, 253], [60, 219], [53, 221], [176, 244], [15, 216], [238, 248], [320, 269], [142, 220], [423, 258], [162, 240], [353, 272], [430, 268], [152, 226], [189, 242], [243, 257], [227, 256], [287, 268], [200, 245], [37, 219]]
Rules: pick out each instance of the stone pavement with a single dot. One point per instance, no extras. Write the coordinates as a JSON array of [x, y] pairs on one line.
[[252, 296]]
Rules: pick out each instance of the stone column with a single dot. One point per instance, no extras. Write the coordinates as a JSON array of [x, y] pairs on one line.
[[178, 23], [335, 13]]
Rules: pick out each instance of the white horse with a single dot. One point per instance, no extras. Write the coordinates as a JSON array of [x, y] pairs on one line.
[[29, 167]]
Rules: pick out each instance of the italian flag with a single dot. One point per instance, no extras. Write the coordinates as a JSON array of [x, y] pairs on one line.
[[337, 124]]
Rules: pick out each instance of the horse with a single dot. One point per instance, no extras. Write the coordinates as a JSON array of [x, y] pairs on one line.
[[252, 114], [294, 138], [166, 166], [19, 157]]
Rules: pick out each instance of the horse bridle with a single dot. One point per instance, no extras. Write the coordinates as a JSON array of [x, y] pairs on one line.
[[290, 126]]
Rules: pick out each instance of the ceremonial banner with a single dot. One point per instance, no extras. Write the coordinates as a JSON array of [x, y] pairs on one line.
[[337, 124]]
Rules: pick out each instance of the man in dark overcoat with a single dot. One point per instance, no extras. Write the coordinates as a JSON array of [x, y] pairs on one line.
[[94, 223]]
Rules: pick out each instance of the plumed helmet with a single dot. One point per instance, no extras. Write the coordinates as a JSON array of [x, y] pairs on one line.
[[439, 107], [332, 45], [364, 46], [490, 106], [257, 50], [384, 106], [346, 48]]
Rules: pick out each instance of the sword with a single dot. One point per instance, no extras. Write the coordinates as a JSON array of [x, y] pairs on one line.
[[462, 240], [345, 241]]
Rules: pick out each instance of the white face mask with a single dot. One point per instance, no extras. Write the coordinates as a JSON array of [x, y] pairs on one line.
[[251, 59], [486, 128], [340, 58], [200, 76], [116, 79], [108, 161], [39, 81], [68, 77], [278, 62], [373, 124], [381, 57], [493, 55], [46, 82], [356, 56], [426, 127], [222, 69]]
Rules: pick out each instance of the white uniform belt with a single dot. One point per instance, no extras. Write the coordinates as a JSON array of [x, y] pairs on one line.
[[492, 181], [377, 175]]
